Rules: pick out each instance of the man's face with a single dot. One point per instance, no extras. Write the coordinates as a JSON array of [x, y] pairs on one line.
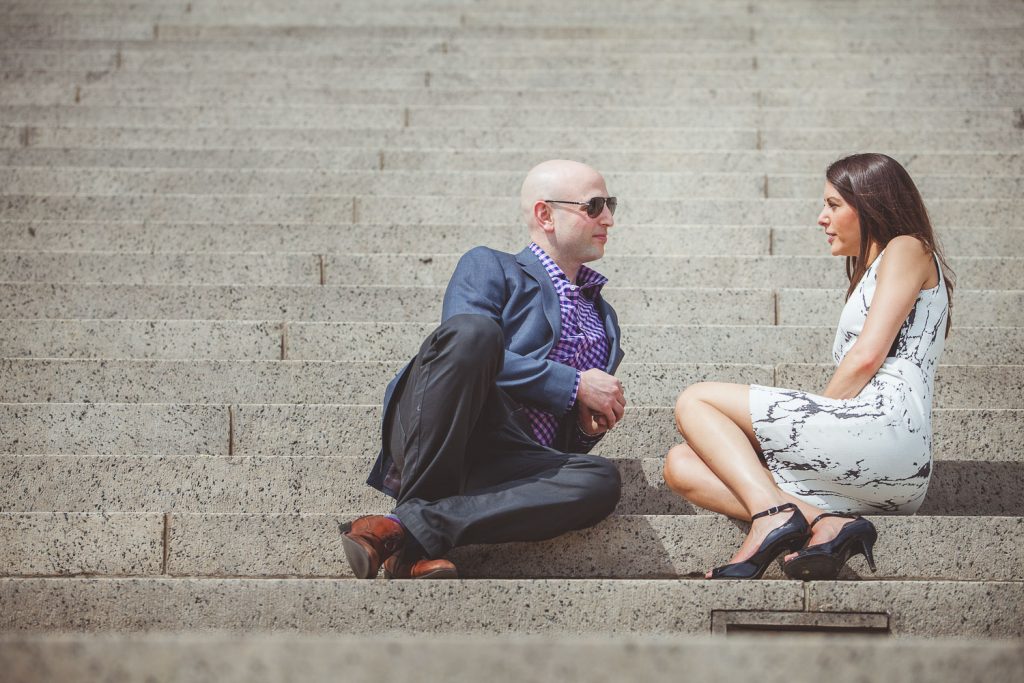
[[578, 237]]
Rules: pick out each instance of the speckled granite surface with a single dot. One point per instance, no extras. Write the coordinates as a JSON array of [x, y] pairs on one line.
[[226, 658]]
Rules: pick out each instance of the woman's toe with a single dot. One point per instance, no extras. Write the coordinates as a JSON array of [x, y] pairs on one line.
[[789, 557]]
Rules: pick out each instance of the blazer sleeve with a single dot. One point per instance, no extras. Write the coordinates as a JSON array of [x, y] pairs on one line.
[[478, 287]]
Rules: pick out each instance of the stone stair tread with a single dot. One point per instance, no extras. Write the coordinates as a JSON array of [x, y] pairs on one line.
[[453, 116], [291, 484], [312, 137], [431, 210], [331, 430], [193, 656], [434, 269], [665, 240], [612, 162], [621, 547], [989, 609], [637, 186], [373, 341], [216, 381]]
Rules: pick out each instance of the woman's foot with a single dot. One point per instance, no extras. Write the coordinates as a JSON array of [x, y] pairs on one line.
[[824, 561], [824, 531], [752, 551]]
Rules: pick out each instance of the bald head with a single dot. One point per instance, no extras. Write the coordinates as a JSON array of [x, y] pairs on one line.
[[555, 179]]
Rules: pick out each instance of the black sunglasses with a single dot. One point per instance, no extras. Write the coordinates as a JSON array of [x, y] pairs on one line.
[[594, 207]]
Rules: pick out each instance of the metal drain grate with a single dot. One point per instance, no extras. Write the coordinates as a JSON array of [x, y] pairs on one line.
[[732, 622]]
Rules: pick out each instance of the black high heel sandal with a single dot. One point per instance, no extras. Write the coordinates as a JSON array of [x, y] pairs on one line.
[[824, 561], [789, 537]]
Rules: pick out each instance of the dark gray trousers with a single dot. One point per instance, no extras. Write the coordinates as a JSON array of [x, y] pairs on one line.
[[470, 473]]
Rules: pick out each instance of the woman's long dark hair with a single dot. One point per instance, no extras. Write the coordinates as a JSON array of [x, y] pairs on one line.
[[887, 204]]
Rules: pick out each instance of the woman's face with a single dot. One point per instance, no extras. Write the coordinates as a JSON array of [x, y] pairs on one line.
[[842, 226]]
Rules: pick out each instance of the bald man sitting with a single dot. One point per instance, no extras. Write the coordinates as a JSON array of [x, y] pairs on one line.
[[485, 430]]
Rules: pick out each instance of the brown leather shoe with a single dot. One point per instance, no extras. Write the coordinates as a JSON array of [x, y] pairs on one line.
[[370, 540], [398, 567]]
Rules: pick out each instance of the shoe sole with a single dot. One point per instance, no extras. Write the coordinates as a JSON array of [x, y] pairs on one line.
[[357, 558], [436, 574], [814, 568]]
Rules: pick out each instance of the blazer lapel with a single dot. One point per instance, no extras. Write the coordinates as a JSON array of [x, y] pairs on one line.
[[549, 297]]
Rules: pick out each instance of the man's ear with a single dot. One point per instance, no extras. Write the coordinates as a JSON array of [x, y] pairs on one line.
[[542, 216]]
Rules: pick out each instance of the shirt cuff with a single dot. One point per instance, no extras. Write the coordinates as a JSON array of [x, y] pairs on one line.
[[585, 439], [575, 390]]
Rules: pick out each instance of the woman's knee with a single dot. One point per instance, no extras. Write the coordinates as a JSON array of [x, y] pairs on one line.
[[688, 400], [681, 469]]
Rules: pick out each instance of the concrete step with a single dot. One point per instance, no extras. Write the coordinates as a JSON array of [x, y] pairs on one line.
[[350, 341], [432, 269], [469, 15], [457, 183], [436, 269], [683, 306], [682, 240], [648, 270], [626, 184], [713, 97], [920, 164], [32, 380], [296, 138], [569, 41], [330, 303], [316, 484], [309, 546], [834, 142], [225, 658], [602, 35], [413, 210], [989, 609], [74, 235], [328, 430], [195, 656], [642, 78], [455, 116], [149, 269], [161, 57]]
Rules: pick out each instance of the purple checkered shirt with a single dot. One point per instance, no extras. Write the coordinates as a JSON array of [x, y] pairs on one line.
[[583, 342]]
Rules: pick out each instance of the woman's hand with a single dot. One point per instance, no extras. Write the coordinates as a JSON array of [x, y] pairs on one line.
[[907, 268]]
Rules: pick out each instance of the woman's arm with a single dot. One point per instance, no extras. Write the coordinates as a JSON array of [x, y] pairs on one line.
[[903, 272]]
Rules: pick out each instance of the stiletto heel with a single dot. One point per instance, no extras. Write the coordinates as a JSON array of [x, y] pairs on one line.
[[789, 537], [824, 561], [867, 547]]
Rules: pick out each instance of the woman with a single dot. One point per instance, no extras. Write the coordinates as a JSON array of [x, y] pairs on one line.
[[864, 445]]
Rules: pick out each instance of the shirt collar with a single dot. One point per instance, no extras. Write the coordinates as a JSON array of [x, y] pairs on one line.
[[586, 279]]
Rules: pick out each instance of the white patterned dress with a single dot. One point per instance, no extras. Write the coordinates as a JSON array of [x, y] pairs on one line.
[[871, 453]]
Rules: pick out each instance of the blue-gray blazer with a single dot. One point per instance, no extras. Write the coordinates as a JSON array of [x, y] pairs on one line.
[[516, 292]]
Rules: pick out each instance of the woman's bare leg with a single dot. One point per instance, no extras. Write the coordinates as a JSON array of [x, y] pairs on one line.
[[686, 474], [715, 420]]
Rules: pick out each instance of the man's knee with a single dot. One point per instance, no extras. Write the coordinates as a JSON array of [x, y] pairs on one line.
[[600, 486], [476, 332]]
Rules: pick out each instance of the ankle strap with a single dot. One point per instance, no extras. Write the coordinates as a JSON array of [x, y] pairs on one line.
[[773, 511], [823, 515]]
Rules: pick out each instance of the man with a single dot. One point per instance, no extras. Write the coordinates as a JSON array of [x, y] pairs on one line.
[[484, 430]]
